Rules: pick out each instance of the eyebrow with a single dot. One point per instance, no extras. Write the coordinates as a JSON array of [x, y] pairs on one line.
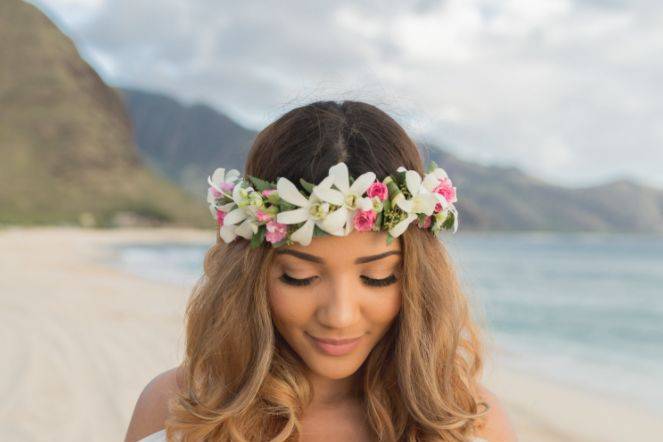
[[319, 260]]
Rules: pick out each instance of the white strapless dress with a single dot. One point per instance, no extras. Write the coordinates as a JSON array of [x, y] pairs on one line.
[[160, 436]]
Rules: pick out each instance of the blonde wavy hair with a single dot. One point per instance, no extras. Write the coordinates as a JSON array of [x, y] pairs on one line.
[[242, 381]]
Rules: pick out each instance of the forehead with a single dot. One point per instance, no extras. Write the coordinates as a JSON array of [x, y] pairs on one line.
[[345, 249]]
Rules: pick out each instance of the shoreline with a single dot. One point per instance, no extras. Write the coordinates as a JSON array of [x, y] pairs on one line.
[[84, 337]]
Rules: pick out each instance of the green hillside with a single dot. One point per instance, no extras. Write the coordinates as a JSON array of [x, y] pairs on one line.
[[66, 143], [505, 198]]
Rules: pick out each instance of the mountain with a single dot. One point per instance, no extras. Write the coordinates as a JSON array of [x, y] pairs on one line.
[[67, 150], [188, 142], [184, 141], [505, 198]]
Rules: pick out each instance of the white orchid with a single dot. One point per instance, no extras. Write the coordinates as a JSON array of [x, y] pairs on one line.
[[452, 208], [348, 197], [312, 211], [213, 207], [442, 215], [241, 220], [221, 182], [432, 180], [422, 200]]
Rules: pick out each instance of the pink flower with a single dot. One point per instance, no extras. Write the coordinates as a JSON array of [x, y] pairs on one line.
[[215, 193], [446, 189], [427, 221], [227, 186], [275, 231], [364, 220], [378, 189], [220, 215], [268, 192], [262, 216]]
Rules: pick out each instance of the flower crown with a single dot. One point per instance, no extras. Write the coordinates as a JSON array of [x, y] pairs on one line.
[[259, 210]]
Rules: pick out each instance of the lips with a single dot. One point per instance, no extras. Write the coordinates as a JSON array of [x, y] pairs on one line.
[[335, 341], [335, 347]]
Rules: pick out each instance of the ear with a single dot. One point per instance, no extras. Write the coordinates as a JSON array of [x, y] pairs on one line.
[[497, 426]]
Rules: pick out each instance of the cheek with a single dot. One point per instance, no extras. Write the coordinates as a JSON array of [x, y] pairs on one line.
[[289, 308], [384, 307]]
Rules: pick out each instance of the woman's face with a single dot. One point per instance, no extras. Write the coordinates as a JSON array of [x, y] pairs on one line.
[[344, 287]]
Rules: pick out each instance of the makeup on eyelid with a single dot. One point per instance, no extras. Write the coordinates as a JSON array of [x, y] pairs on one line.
[[373, 282]]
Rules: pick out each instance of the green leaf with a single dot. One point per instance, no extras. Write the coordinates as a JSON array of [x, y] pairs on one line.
[[285, 206], [258, 237], [317, 231], [378, 222], [259, 184], [274, 198], [386, 205], [393, 188], [306, 185], [283, 242], [449, 221], [389, 238], [421, 217]]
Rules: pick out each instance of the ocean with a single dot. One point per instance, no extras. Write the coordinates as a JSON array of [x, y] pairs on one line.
[[584, 309]]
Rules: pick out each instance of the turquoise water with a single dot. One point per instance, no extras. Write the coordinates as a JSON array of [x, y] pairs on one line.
[[585, 309]]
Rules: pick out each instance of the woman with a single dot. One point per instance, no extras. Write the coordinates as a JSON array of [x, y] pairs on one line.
[[328, 309]]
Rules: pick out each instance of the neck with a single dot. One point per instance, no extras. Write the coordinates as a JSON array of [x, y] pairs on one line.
[[331, 392]]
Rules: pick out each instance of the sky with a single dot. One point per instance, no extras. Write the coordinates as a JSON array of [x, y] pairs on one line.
[[567, 90]]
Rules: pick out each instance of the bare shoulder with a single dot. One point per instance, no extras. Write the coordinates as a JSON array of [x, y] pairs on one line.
[[151, 410], [497, 425]]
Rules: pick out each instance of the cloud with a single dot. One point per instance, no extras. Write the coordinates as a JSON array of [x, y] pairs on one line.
[[566, 89], [74, 13]]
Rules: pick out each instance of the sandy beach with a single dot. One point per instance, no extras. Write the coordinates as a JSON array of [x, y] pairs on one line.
[[81, 339]]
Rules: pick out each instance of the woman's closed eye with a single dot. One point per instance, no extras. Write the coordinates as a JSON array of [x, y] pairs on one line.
[[368, 281]]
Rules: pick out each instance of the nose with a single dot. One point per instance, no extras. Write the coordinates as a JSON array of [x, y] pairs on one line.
[[339, 305]]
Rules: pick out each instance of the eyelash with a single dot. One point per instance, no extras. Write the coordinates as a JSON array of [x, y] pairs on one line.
[[369, 281]]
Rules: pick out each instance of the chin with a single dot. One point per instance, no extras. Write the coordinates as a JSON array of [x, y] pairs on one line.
[[333, 369]]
